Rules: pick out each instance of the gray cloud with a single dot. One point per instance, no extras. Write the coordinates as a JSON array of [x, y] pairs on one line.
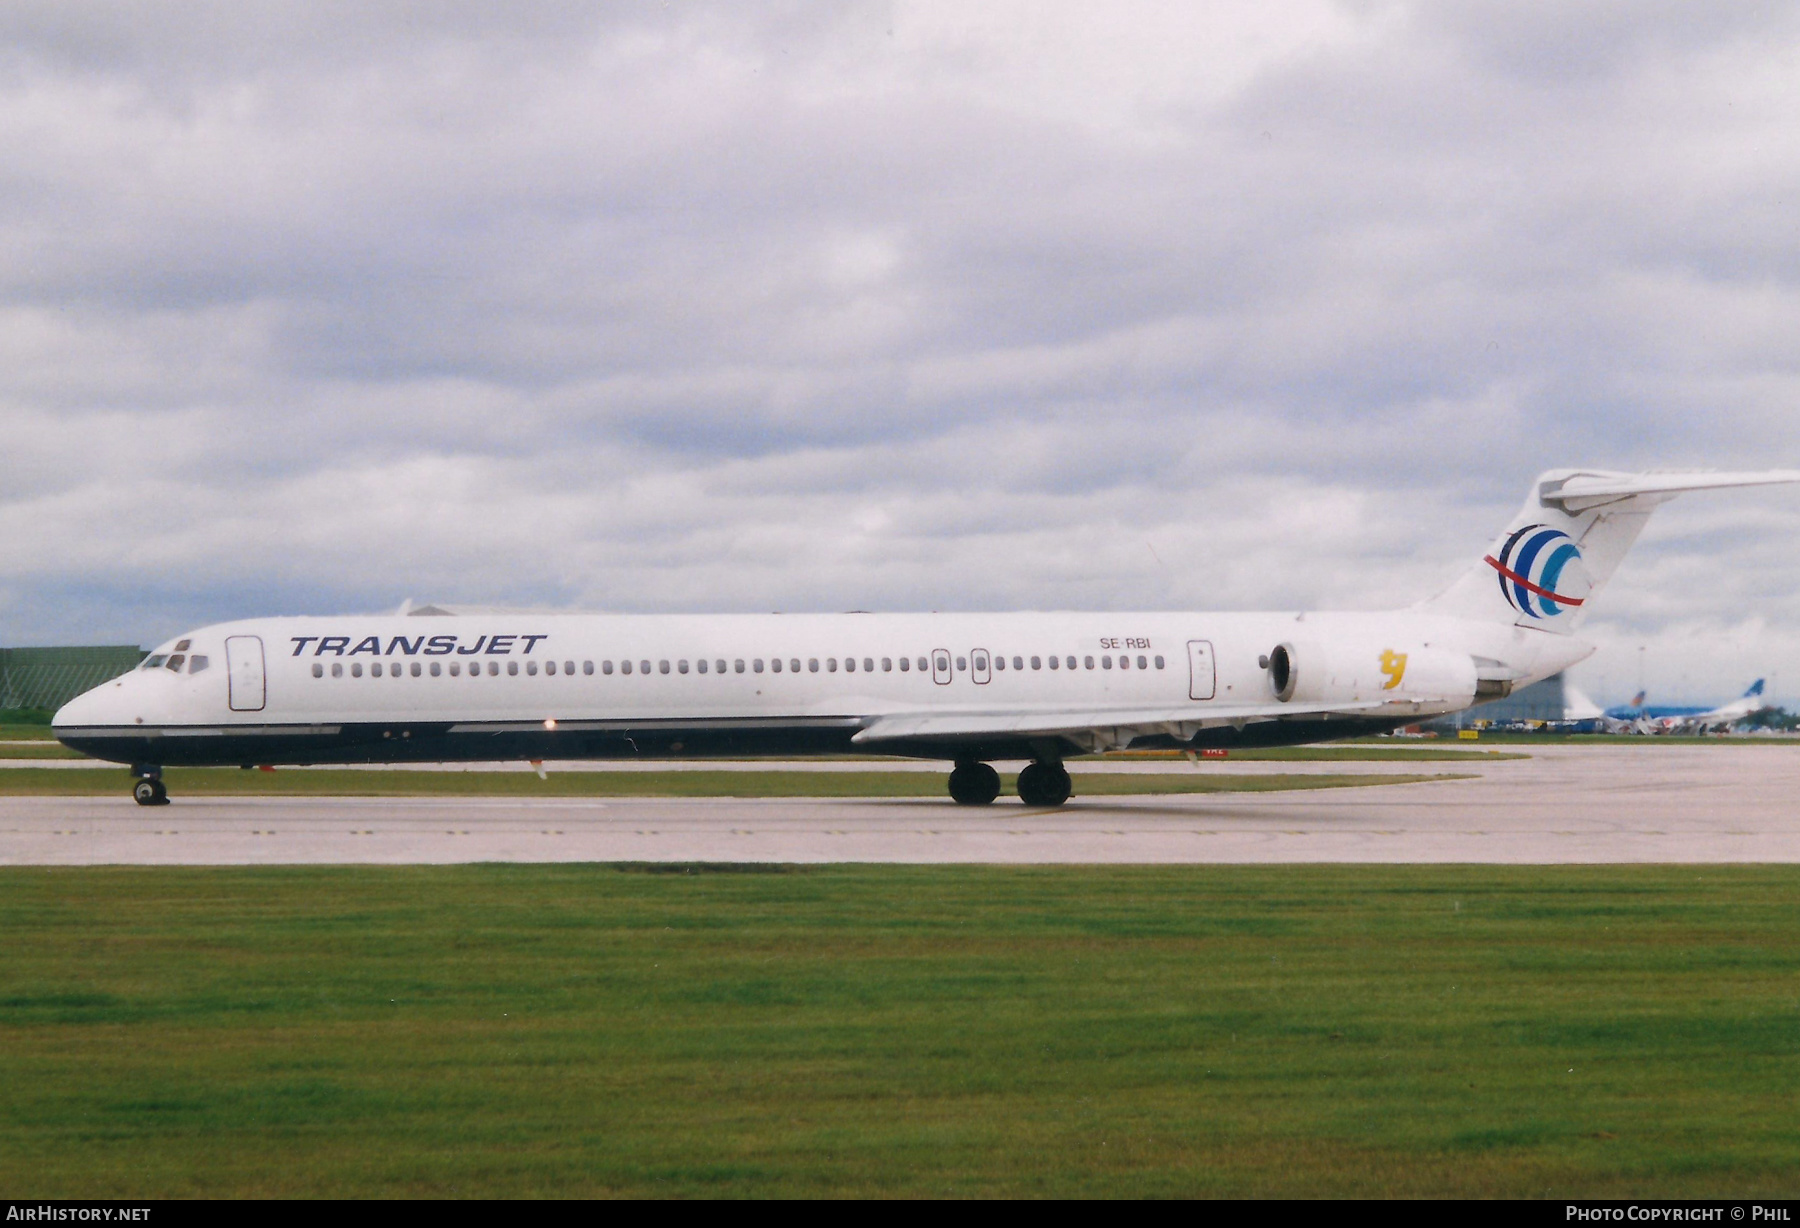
[[886, 305]]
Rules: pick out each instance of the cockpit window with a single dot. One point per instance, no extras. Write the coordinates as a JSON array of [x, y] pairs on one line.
[[175, 662], [154, 662], [196, 663], [183, 645]]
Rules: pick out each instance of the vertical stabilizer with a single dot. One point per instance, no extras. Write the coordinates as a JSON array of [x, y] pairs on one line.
[[1545, 570]]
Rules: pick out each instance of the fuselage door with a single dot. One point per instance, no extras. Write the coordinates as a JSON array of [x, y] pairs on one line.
[[244, 672], [978, 665], [1203, 672], [940, 666]]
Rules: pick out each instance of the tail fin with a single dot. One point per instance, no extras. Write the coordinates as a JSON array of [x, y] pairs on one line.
[[1756, 688], [1637, 701], [1546, 569]]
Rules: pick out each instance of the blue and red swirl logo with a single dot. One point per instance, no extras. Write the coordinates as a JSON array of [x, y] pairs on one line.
[[1541, 572]]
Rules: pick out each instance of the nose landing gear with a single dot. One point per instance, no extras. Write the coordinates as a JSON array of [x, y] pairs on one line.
[[149, 790], [974, 784]]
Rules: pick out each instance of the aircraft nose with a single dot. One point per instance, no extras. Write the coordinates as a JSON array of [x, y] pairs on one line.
[[104, 705]]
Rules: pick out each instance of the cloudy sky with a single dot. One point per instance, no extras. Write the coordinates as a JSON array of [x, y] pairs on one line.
[[663, 305]]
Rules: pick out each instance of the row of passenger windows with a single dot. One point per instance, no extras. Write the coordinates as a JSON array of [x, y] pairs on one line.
[[774, 665]]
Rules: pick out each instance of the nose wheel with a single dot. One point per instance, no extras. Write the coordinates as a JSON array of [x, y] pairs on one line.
[[149, 789], [974, 784], [1044, 784]]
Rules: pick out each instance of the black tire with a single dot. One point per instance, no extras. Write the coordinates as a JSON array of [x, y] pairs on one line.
[[1044, 784], [150, 793], [974, 784]]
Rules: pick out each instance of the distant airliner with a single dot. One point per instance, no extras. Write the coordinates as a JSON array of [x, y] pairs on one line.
[[1663, 719], [968, 688]]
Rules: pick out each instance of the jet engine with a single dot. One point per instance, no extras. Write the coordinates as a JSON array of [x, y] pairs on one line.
[[1414, 674]]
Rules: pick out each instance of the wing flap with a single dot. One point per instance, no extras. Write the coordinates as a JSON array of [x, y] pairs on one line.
[[929, 726]]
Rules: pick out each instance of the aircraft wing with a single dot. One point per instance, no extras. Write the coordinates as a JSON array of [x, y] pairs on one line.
[[1178, 722]]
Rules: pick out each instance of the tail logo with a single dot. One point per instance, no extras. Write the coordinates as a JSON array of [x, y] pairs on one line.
[[1541, 573]]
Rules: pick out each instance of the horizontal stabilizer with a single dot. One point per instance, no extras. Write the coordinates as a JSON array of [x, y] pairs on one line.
[[932, 726], [1590, 490]]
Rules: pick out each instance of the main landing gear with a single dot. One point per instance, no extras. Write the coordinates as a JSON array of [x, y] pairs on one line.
[[149, 790], [1040, 784], [1044, 784], [974, 784]]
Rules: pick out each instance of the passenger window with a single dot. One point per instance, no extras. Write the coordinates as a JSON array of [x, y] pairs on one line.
[[375, 670], [700, 665], [318, 670], [416, 671], [569, 668], [1037, 663], [550, 668], [757, 665], [356, 670], [849, 665], [455, 669], [587, 668], [1070, 662], [812, 663], [738, 666], [531, 668], [437, 669], [962, 663], [512, 668], [680, 665], [887, 665], [1105, 662], [793, 665], [1159, 663], [337, 670], [662, 667], [176, 660], [1088, 660], [1055, 662], [720, 664], [775, 665], [197, 663], [1018, 662], [999, 662], [644, 667], [154, 662], [831, 665], [1141, 664], [606, 668], [905, 664], [868, 665], [924, 665], [493, 669], [624, 667]]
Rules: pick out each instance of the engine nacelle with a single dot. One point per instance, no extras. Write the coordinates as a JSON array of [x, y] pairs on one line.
[[1314, 672]]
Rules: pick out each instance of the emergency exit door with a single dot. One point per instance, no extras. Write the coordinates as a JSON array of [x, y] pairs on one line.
[[1203, 672], [244, 673]]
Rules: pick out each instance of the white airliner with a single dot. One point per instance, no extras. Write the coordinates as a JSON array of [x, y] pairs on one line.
[[967, 688]]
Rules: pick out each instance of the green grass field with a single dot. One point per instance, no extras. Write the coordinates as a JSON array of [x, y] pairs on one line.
[[603, 1030], [234, 782]]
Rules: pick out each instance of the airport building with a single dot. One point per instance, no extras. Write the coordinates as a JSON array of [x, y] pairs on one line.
[[47, 678], [1552, 699]]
